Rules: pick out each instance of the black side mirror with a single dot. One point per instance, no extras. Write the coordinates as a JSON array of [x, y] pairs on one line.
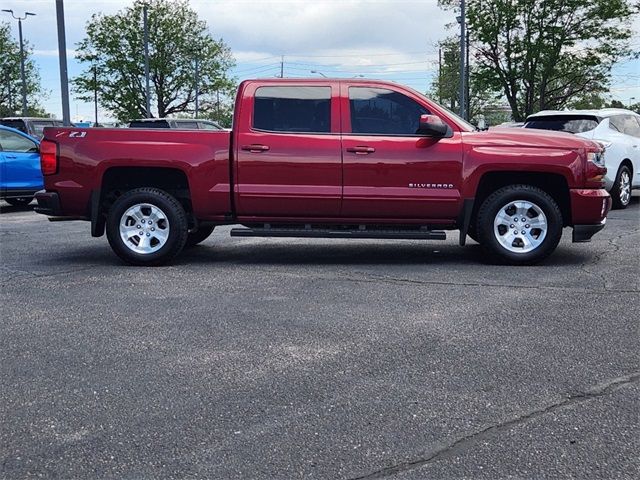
[[432, 126]]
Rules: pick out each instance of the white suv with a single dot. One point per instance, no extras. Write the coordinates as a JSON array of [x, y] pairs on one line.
[[617, 129]]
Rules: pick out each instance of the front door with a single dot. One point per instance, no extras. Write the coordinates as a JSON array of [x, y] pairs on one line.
[[389, 170], [288, 157]]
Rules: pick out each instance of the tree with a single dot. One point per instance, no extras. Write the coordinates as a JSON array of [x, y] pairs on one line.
[[543, 54], [445, 87], [113, 52], [10, 80]]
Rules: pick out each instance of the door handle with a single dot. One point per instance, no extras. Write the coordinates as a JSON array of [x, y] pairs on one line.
[[361, 150], [255, 148], [10, 156]]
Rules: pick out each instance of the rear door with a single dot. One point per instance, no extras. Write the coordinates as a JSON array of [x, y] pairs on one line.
[[287, 151], [389, 170]]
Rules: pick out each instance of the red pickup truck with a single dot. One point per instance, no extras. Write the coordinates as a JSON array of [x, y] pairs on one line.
[[326, 158]]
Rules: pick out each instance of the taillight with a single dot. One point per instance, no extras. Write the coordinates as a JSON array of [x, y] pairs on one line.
[[48, 157]]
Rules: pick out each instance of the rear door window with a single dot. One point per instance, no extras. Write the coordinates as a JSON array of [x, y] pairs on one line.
[[626, 124], [564, 123], [292, 109]]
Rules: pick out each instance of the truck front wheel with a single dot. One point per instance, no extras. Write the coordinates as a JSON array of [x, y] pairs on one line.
[[146, 226], [519, 224]]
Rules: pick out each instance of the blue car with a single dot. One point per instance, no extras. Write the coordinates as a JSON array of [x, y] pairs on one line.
[[20, 174]]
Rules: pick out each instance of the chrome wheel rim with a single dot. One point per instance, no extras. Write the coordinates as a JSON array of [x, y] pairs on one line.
[[520, 226], [625, 187], [144, 228]]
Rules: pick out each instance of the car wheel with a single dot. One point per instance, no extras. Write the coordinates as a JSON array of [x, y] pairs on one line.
[[146, 226], [198, 236], [519, 224], [19, 201], [621, 191]]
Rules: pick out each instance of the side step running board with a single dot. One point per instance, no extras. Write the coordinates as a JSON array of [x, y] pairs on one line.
[[329, 233]]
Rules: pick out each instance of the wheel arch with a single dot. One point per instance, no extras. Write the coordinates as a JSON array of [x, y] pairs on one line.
[[120, 179], [554, 184]]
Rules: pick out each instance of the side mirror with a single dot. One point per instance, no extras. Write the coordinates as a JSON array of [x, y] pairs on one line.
[[432, 126]]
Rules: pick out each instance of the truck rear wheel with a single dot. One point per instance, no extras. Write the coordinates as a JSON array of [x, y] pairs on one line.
[[519, 224], [146, 226]]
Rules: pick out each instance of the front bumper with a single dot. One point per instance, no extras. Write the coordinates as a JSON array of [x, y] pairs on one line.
[[589, 209], [48, 203], [589, 206]]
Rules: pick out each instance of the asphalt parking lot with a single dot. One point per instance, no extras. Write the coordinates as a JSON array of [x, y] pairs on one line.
[[277, 358]]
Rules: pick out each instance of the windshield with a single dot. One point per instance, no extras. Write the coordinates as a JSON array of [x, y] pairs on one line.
[[564, 123]]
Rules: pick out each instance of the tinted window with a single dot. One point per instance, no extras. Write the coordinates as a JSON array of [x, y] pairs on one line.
[[626, 124], [293, 109], [381, 111], [564, 123], [17, 124], [140, 124], [12, 142]]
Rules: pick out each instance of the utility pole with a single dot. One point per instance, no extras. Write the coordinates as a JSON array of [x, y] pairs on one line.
[[22, 74], [197, 87], [218, 103], [467, 73], [282, 66], [440, 75], [7, 75], [145, 26], [95, 94], [463, 31], [62, 55]]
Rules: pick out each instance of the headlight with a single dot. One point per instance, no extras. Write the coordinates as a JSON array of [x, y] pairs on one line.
[[596, 158]]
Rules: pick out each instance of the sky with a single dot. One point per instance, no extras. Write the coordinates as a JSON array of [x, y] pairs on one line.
[[387, 39]]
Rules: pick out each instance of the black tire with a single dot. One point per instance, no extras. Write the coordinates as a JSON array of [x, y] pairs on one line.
[[198, 236], [621, 190], [543, 232], [19, 201], [170, 220]]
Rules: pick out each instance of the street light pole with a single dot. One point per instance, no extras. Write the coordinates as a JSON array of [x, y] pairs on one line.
[[145, 7], [197, 86], [463, 57], [22, 75], [62, 54]]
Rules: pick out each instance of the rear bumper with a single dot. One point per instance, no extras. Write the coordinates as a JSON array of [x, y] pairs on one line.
[[583, 233], [48, 203]]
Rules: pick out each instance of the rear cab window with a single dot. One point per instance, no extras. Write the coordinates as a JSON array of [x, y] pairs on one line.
[[564, 123], [292, 109]]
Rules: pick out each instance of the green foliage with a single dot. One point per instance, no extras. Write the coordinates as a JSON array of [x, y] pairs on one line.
[[10, 82], [114, 48], [546, 54], [445, 87]]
